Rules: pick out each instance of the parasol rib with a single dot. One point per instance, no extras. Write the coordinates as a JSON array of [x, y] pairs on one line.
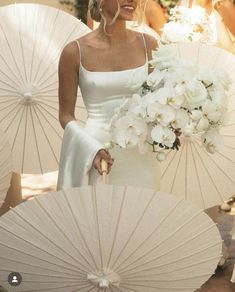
[[117, 226], [135, 228], [80, 232], [12, 54], [67, 238], [150, 235]]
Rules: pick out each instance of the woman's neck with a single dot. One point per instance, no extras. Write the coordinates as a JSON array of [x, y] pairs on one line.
[[114, 33]]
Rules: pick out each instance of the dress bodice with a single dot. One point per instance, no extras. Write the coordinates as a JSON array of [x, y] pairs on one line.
[[103, 92]]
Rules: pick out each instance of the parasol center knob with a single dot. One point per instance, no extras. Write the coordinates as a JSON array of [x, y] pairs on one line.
[[28, 95], [26, 98], [103, 283], [103, 279]]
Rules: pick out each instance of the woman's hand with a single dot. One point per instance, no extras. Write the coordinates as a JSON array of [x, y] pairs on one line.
[[102, 154]]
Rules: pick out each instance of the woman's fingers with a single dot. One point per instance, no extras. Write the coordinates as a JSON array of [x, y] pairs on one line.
[[103, 154], [109, 160]]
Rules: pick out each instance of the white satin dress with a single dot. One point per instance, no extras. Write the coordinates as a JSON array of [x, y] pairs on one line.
[[102, 93]]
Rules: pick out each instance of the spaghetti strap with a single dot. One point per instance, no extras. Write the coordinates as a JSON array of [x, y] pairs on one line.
[[79, 50], [145, 47]]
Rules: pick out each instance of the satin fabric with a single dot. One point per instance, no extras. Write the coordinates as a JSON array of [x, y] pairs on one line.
[[103, 92]]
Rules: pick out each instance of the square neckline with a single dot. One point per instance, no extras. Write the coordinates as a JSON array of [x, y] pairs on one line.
[[81, 67]]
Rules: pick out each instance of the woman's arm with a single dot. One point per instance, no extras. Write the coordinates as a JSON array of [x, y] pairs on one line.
[[68, 83], [155, 16], [226, 9]]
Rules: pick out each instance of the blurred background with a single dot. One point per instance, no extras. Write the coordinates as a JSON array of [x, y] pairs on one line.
[[78, 8]]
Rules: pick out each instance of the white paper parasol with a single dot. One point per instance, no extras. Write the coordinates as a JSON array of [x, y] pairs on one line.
[[117, 238], [193, 173], [233, 276], [31, 39], [5, 166]]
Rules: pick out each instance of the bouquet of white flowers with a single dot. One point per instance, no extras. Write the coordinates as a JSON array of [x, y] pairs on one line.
[[177, 99], [187, 25]]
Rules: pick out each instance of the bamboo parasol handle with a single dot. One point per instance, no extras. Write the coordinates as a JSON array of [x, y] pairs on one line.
[[104, 169]]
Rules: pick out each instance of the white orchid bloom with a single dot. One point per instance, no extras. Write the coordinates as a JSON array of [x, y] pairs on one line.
[[212, 141], [168, 96], [195, 93], [218, 96], [128, 129], [180, 90], [208, 114], [163, 135], [210, 110], [221, 77], [181, 119], [217, 82], [155, 78], [196, 115], [137, 107], [206, 76], [189, 130], [203, 124], [132, 124], [174, 32], [163, 58], [126, 139], [182, 73], [162, 114]]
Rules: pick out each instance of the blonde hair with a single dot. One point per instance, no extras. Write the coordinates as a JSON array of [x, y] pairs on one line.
[[94, 8]]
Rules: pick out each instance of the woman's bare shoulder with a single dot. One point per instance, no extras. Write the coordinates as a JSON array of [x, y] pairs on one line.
[[70, 56], [151, 42], [71, 50], [88, 38]]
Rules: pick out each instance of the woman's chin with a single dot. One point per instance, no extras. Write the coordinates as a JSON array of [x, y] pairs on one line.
[[127, 17]]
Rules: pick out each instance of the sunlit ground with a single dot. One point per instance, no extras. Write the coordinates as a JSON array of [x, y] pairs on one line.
[[36, 184]]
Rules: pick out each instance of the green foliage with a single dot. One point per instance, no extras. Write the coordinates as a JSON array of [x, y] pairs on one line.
[[80, 6], [168, 4]]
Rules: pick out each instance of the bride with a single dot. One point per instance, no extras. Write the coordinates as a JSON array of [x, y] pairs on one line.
[[109, 65]]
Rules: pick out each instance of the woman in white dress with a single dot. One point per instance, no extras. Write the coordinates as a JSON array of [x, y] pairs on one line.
[[109, 65]]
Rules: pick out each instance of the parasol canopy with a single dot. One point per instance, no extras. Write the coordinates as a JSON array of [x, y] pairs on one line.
[[192, 173], [108, 238], [32, 37]]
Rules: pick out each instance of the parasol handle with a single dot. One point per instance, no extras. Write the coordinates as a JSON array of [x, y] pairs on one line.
[[104, 169]]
